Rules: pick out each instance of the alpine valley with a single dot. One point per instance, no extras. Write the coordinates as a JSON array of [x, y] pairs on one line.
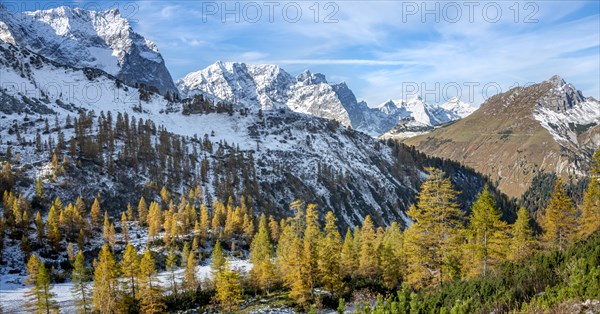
[[102, 150]]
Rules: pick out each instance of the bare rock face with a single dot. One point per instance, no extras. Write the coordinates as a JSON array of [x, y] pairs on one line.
[[546, 127]]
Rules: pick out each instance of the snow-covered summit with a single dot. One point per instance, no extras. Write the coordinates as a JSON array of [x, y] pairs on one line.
[[268, 86], [426, 114], [89, 39], [564, 111], [265, 86], [311, 78], [457, 107]]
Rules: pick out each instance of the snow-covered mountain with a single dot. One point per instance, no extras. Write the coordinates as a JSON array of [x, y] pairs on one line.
[[89, 39], [566, 113], [424, 113], [297, 155], [458, 108], [268, 86]]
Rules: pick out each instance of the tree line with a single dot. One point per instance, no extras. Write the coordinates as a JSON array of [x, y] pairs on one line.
[[305, 254]]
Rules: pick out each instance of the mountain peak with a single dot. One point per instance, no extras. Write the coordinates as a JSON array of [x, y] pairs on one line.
[[457, 107], [414, 98], [557, 81], [454, 99], [102, 40], [311, 78], [550, 122], [388, 107]]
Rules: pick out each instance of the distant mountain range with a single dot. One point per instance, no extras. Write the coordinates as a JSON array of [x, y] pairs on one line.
[[268, 87], [546, 127]]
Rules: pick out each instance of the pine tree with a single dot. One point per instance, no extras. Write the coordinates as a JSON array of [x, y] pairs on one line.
[[185, 252], [248, 224], [522, 244], [112, 235], [368, 261], [106, 228], [129, 213], [348, 262], [195, 244], [142, 211], [261, 252], [130, 267], [105, 295], [39, 228], [218, 217], [486, 237], [217, 260], [230, 226], [17, 215], [2, 230], [151, 300], [330, 248], [310, 254], [165, 196], [71, 252], [25, 247], [204, 222], [590, 212], [171, 265], [391, 257], [190, 280], [40, 298], [431, 243], [274, 229], [228, 288], [124, 227], [80, 207], [81, 240], [357, 245], [39, 189], [155, 220], [54, 228], [80, 278], [170, 226], [96, 215], [559, 221], [290, 262]]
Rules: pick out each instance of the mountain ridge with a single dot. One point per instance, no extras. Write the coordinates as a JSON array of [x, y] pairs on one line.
[[268, 86], [547, 126]]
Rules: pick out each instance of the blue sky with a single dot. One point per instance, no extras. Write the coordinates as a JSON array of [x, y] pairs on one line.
[[382, 49]]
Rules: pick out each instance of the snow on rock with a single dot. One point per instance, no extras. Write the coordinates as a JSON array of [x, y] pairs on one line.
[[566, 113], [81, 38], [426, 114], [458, 108], [267, 87]]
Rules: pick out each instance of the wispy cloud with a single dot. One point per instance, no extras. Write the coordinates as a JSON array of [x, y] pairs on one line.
[[345, 62]]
